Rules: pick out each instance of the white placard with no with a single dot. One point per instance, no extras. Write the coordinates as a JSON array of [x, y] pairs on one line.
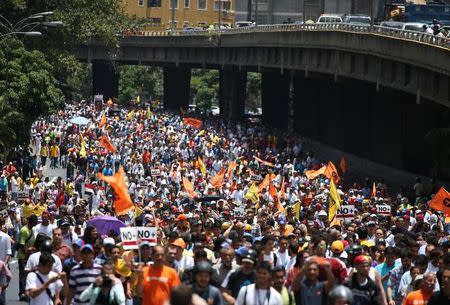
[[132, 236], [384, 209], [346, 212]]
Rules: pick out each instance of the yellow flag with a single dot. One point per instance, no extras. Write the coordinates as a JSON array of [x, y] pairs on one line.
[[138, 212], [130, 115], [297, 210], [83, 146], [202, 166], [200, 133], [334, 201], [149, 113], [252, 194]]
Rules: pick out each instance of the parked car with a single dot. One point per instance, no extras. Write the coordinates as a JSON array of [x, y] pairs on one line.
[[414, 26], [242, 24], [358, 19], [330, 18]]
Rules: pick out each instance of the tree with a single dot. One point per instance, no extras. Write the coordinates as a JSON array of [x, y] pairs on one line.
[[149, 80], [204, 88], [253, 91], [27, 87]]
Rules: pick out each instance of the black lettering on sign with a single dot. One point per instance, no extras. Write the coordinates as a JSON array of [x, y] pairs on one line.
[[446, 202], [127, 236]]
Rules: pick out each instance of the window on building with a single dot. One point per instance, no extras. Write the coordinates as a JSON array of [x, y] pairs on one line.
[[155, 21], [226, 5], [202, 4], [187, 3], [140, 2], [154, 3], [174, 3]]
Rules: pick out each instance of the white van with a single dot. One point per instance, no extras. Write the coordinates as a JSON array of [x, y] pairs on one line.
[[242, 24], [330, 18]]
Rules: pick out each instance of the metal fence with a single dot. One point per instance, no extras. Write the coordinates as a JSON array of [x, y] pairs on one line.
[[319, 27]]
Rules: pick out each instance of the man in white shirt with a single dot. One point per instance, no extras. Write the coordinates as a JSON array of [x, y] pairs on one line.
[[44, 286], [5, 247], [45, 226], [33, 260], [260, 293]]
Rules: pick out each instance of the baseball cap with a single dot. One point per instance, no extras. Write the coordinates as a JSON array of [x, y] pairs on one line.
[[179, 242], [337, 247], [362, 259], [109, 241], [87, 247], [181, 217], [248, 258], [242, 251], [322, 213], [79, 243]]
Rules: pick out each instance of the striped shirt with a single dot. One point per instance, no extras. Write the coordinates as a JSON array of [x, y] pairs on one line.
[[80, 278]]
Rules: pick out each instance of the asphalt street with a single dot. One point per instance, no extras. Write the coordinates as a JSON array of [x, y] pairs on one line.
[[12, 297]]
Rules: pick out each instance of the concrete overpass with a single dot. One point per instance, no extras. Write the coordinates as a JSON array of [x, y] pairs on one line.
[[371, 91]]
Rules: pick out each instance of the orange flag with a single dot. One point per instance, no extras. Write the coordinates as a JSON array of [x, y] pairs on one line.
[[441, 201], [273, 192], [331, 172], [311, 174], [193, 122], [104, 142], [343, 165], [374, 190], [282, 191], [230, 170], [102, 121], [264, 183], [264, 162], [188, 187], [218, 180], [122, 203]]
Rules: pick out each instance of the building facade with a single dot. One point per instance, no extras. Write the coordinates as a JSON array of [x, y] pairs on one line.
[[283, 11], [186, 13]]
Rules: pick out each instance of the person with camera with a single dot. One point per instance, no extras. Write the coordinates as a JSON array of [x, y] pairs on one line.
[[43, 286], [106, 290]]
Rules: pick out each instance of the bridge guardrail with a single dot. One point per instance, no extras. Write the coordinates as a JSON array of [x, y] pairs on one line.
[[347, 27]]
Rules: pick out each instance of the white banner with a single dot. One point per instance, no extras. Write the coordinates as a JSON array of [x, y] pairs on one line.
[[384, 209], [346, 212], [132, 236], [23, 195]]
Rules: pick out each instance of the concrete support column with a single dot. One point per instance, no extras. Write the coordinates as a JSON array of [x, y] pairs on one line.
[[275, 98], [232, 94], [177, 85], [105, 80]]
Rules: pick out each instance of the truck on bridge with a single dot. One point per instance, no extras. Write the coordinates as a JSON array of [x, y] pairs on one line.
[[406, 11]]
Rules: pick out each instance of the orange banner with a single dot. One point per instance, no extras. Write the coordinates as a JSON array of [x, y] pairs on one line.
[[122, 203], [343, 165], [193, 122], [264, 183], [331, 172], [218, 180], [282, 191], [441, 201], [374, 191], [311, 174], [102, 121], [264, 162], [104, 142], [230, 170], [188, 187]]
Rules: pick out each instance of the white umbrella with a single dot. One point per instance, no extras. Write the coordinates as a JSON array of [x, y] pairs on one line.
[[79, 120]]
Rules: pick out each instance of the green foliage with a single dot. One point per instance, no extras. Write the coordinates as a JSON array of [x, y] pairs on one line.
[[253, 91], [204, 87], [27, 87], [147, 81]]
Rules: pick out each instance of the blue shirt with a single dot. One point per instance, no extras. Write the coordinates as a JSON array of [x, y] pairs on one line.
[[383, 269]]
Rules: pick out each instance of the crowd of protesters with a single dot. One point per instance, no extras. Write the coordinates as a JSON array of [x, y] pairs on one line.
[[261, 234]]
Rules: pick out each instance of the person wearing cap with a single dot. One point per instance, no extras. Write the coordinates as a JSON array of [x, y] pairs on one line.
[[423, 294], [108, 244], [68, 235], [82, 275], [338, 266], [155, 282], [75, 259], [183, 261], [45, 226], [365, 291], [240, 277]]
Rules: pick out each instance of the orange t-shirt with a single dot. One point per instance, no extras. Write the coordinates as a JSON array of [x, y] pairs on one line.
[[157, 284], [416, 297]]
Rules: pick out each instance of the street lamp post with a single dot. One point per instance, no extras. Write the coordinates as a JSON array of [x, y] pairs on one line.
[[172, 25], [26, 25], [220, 14]]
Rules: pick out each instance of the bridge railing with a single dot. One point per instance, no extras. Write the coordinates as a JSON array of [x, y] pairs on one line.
[[320, 27]]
